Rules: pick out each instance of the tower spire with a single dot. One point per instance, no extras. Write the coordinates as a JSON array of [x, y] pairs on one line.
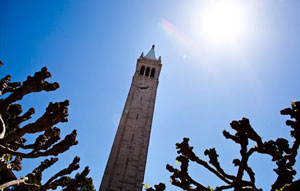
[[151, 54]]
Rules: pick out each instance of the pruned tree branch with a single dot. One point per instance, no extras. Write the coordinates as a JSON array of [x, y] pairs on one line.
[[36, 83], [48, 143], [13, 183], [282, 154], [58, 148], [55, 113], [73, 166]]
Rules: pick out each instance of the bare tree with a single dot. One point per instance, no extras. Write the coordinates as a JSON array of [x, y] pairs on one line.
[[47, 143], [283, 155]]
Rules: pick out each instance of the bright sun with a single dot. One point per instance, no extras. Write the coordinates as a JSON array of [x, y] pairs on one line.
[[223, 22]]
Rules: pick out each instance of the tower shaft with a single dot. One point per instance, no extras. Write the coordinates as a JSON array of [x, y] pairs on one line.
[[125, 168]]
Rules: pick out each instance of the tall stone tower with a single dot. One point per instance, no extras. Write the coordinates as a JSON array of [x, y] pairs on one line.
[[125, 168]]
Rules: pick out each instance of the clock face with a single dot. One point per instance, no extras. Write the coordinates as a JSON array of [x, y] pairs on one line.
[[143, 88]]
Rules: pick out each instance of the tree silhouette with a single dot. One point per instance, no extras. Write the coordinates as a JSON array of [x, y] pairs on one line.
[[283, 155], [48, 143]]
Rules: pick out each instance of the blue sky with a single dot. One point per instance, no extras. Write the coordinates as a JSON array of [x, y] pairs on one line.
[[91, 47]]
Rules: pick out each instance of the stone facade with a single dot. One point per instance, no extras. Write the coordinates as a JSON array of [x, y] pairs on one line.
[[125, 168]]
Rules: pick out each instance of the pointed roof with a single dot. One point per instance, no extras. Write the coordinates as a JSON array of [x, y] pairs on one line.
[[151, 54]]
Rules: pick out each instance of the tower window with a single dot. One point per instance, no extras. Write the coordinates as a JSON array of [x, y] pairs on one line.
[[152, 72], [142, 70], [147, 71]]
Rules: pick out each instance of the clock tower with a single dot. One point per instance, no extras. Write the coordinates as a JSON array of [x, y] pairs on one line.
[[126, 164]]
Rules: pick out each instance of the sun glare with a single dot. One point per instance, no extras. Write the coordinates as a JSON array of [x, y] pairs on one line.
[[223, 22]]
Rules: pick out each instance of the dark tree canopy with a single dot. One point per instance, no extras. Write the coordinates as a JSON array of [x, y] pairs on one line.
[[47, 143], [283, 155]]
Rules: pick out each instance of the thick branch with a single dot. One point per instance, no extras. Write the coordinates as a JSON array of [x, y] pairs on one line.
[[5, 86], [55, 113], [187, 151], [45, 141], [186, 180], [13, 183], [73, 166], [36, 83], [213, 159], [58, 148], [80, 180]]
